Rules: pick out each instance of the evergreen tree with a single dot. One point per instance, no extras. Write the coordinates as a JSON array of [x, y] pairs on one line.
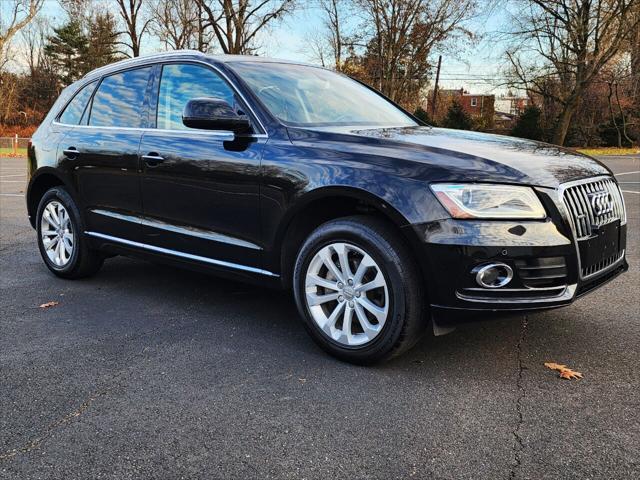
[[529, 124], [67, 50], [102, 41], [422, 114], [457, 118]]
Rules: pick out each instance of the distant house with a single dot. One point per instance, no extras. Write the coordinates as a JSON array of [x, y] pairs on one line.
[[478, 105], [511, 104]]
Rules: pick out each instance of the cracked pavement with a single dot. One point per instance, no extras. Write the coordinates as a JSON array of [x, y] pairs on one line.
[[146, 371]]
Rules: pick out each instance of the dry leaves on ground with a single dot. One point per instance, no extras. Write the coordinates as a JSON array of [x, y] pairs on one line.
[[49, 304], [565, 372]]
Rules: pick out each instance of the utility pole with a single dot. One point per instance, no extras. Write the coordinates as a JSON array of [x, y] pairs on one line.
[[435, 89]]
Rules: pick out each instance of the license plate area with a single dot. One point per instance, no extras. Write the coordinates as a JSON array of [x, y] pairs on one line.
[[604, 245]]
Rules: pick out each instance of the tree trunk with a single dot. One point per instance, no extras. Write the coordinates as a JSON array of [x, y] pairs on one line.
[[564, 120]]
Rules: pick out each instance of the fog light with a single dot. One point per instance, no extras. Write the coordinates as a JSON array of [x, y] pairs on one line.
[[493, 275]]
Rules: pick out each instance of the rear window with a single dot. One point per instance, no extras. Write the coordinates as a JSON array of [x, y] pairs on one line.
[[72, 114], [119, 100]]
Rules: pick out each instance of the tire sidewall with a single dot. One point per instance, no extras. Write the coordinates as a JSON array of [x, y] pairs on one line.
[[61, 196], [379, 249]]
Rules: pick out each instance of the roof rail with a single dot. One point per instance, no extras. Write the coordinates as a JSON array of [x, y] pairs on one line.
[[150, 56]]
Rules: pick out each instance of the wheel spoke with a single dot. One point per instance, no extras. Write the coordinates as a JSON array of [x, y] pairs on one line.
[[314, 299], [50, 243], [346, 323], [48, 233], [316, 281], [343, 257], [369, 329], [58, 252], [366, 263], [377, 282], [49, 218], [68, 246], [379, 312], [53, 214], [329, 325], [325, 256]]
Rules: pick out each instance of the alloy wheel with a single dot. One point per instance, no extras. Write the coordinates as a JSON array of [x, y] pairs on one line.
[[56, 233], [347, 294]]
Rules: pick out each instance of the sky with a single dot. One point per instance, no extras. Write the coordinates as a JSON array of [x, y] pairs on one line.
[[473, 67]]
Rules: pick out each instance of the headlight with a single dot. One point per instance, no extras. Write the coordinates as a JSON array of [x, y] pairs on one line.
[[483, 200]]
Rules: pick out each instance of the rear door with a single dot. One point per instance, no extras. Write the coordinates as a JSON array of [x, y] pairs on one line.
[[104, 151], [200, 188]]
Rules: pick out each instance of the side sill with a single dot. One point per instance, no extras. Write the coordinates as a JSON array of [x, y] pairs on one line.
[[188, 256]]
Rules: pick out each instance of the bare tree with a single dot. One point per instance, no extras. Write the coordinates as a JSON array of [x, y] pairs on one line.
[[21, 12], [136, 25], [569, 42], [337, 41], [236, 23], [404, 34], [175, 23]]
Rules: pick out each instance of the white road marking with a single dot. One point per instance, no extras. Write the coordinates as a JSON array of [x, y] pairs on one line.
[[631, 191], [621, 183], [626, 173], [14, 175], [12, 194], [13, 181]]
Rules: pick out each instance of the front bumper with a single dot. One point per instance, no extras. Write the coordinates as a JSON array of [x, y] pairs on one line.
[[544, 256]]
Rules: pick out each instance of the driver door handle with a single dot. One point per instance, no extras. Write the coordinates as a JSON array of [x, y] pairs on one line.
[[152, 159], [71, 152]]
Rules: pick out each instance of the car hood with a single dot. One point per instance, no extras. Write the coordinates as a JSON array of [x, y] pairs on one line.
[[474, 156]]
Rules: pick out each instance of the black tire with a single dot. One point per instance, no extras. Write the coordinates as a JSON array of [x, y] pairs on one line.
[[83, 261], [405, 322]]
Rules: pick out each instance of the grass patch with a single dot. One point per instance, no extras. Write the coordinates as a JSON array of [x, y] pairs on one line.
[[609, 151], [6, 151]]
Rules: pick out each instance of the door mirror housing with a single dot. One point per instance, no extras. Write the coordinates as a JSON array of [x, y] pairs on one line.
[[209, 113]]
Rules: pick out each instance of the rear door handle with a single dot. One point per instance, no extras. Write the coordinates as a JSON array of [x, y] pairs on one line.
[[152, 159], [71, 152]]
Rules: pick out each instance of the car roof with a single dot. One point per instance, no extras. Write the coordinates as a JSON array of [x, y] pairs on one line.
[[187, 54]]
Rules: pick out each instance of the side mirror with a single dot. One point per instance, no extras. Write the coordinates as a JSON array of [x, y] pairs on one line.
[[213, 114]]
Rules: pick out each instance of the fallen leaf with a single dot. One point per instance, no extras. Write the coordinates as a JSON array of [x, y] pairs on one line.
[[49, 304], [569, 374], [554, 366], [565, 372]]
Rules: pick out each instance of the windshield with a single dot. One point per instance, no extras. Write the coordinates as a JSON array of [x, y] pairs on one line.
[[308, 96]]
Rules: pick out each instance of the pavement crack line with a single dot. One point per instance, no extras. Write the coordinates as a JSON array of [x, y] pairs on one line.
[[518, 446], [36, 441]]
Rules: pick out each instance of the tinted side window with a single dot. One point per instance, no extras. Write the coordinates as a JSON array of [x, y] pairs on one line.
[[119, 99], [182, 82], [73, 113]]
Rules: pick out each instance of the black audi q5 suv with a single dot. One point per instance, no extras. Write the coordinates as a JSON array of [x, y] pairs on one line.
[[302, 178]]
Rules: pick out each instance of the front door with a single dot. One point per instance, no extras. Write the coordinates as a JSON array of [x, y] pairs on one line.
[[200, 188]]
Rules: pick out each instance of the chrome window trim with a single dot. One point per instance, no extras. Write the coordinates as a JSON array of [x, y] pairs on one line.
[[210, 133], [207, 235], [561, 190], [161, 60], [188, 256]]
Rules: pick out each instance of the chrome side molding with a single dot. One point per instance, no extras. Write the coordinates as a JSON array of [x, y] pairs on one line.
[[188, 256]]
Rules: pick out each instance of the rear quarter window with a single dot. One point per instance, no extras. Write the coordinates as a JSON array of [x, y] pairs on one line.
[[119, 101], [73, 112]]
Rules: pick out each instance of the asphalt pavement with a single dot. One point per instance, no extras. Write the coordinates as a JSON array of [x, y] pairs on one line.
[[146, 371]]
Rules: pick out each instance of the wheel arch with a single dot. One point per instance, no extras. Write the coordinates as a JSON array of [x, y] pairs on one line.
[[326, 204], [42, 181]]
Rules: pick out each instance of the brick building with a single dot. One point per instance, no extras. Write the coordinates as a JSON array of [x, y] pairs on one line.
[[480, 107]]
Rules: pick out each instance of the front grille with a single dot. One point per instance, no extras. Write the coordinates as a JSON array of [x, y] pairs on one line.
[[603, 264], [593, 204]]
